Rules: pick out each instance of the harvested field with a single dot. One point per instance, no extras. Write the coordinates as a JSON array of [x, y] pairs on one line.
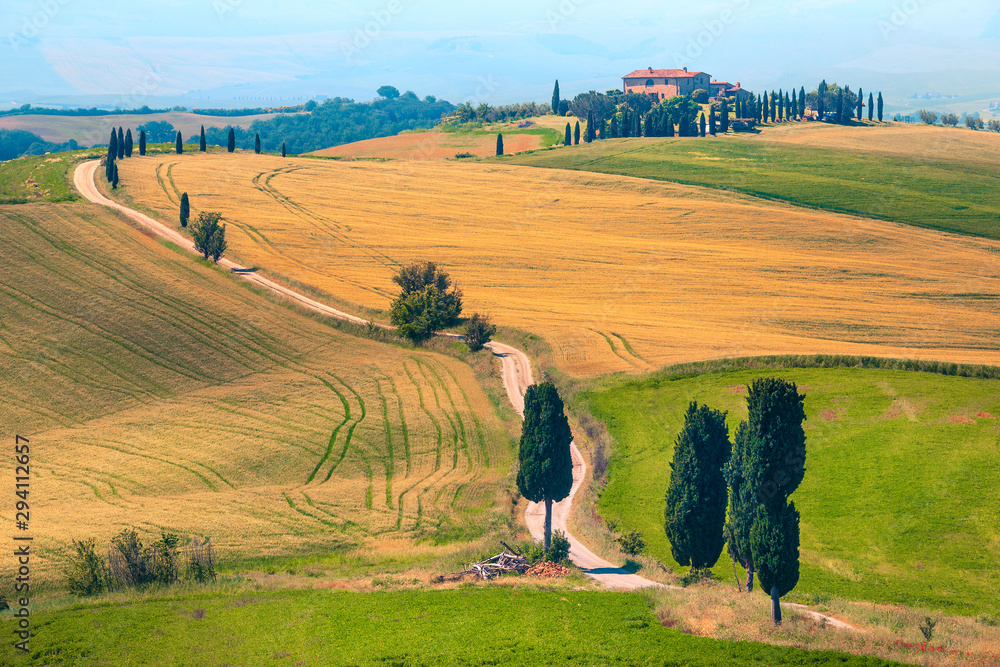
[[432, 146], [90, 130], [159, 392], [617, 273]]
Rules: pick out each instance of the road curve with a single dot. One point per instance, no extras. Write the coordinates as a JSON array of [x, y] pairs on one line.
[[517, 378]]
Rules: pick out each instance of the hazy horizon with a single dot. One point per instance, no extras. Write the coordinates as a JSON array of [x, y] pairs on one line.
[[252, 52]]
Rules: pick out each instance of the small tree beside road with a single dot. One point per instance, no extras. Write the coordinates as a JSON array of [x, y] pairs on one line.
[[208, 235], [479, 331], [426, 303]]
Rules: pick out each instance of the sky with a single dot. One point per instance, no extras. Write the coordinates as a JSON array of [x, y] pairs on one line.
[[250, 52]]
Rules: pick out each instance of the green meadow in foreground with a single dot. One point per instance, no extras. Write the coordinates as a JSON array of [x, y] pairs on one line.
[[899, 500], [38, 178], [462, 626], [950, 195]]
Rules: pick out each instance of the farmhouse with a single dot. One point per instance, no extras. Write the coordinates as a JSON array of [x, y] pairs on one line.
[[662, 84]]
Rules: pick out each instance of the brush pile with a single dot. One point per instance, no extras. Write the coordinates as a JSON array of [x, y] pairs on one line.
[[545, 569], [494, 566]]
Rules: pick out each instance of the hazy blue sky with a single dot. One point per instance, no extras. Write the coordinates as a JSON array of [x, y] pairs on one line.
[[218, 50]]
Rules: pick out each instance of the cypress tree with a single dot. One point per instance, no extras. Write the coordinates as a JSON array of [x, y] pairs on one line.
[[821, 99], [202, 145], [590, 127], [283, 151], [861, 96], [670, 125], [789, 109], [802, 102], [576, 134], [179, 147], [185, 209], [128, 143], [711, 120], [880, 106], [231, 141], [765, 109], [774, 107], [555, 98], [781, 105], [602, 129], [256, 144], [545, 473], [703, 123], [724, 121], [637, 129], [766, 466], [114, 175], [795, 104], [109, 168], [871, 107], [113, 146], [613, 129], [625, 125], [697, 495], [142, 142], [568, 139], [840, 105], [499, 143], [121, 143]]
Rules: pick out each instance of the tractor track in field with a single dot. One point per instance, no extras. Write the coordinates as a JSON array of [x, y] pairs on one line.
[[517, 377]]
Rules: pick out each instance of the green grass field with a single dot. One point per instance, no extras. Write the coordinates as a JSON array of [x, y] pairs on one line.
[[899, 501], [41, 178], [956, 195], [462, 626]]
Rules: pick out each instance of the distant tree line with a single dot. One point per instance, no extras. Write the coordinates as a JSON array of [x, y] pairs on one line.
[[15, 143]]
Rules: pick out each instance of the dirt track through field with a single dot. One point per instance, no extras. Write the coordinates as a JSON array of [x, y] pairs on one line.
[[517, 377]]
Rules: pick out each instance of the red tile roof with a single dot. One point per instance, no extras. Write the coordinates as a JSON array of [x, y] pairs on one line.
[[662, 73]]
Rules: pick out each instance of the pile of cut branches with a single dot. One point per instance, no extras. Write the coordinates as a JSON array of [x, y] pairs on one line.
[[494, 566]]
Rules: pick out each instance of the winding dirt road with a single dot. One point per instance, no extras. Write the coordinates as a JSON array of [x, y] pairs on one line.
[[517, 378]]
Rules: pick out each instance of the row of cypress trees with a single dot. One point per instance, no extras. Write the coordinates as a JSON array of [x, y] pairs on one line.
[[737, 494]]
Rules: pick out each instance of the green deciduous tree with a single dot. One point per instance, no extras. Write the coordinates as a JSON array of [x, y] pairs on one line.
[[697, 495], [185, 210], [426, 303], [479, 331], [545, 473], [499, 143], [928, 117], [142, 142], [231, 141], [388, 92], [208, 235], [202, 145]]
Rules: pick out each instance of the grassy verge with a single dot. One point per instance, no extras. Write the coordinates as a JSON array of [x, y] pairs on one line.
[[466, 625], [896, 504], [950, 195]]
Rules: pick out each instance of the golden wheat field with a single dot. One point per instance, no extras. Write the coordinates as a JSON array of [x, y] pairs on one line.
[[918, 142], [158, 392], [432, 146], [618, 274]]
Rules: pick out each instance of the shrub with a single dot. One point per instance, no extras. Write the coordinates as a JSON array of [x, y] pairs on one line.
[[559, 548], [87, 572], [479, 331], [130, 563], [201, 561], [464, 154], [631, 542], [700, 96], [165, 558]]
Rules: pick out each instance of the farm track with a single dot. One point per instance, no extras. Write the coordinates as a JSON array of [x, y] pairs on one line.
[[517, 376]]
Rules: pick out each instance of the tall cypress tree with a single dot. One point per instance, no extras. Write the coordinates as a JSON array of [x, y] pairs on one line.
[[781, 105], [142, 142], [670, 126], [697, 495], [256, 144], [555, 98], [789, 109], [821, 99], [861, 96], [545, 473], [871, 107], [568, 139], [711, 120], [590, 127], [765, 112], [613, 127], [128, 143], [724, 121], [179, 145], [109, 167], [703, 124], [880, 106], [802, 102], [499, 143], [231, 141], [121, 143], [602, 129], [185, 210], [114, 174], [283, 151], [113, 146], [576, 134], [840, 105], [795, 104], [202, 145], [766, 466]]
